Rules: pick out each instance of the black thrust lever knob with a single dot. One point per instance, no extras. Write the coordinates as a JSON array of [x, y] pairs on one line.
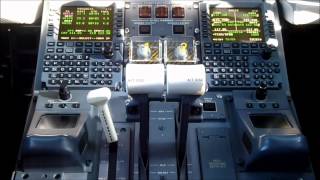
[[64, 92], [261, 92]]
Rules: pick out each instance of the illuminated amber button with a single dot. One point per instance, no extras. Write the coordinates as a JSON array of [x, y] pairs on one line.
[[145, 12], [178, 12], [162, 12]]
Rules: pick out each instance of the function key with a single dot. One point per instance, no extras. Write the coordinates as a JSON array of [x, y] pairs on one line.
[[98, 44], [50, 50], [244, 45], [50, 43], [208, 51], [97, 50], [245, 51], [69, 44], [235, 45], [60, 43], [226, 45], [69, 50], [108, 44], [217, 51], [227, 51], [217, 45], [235, 51], [207, 45], [254, 45], [88, 50], [88, 44], [255, 51], [79, 44], [59, 50], [79, 50]]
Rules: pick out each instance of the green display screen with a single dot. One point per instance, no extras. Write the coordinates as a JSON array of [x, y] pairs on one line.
[[86, 23], [236, 24]]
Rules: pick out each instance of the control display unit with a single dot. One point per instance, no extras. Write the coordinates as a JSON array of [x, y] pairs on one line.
[[236, 24], [86, 23]]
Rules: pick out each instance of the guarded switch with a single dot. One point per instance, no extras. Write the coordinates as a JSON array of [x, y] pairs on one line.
[[178, 12], [145, 12], [162, 12]]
